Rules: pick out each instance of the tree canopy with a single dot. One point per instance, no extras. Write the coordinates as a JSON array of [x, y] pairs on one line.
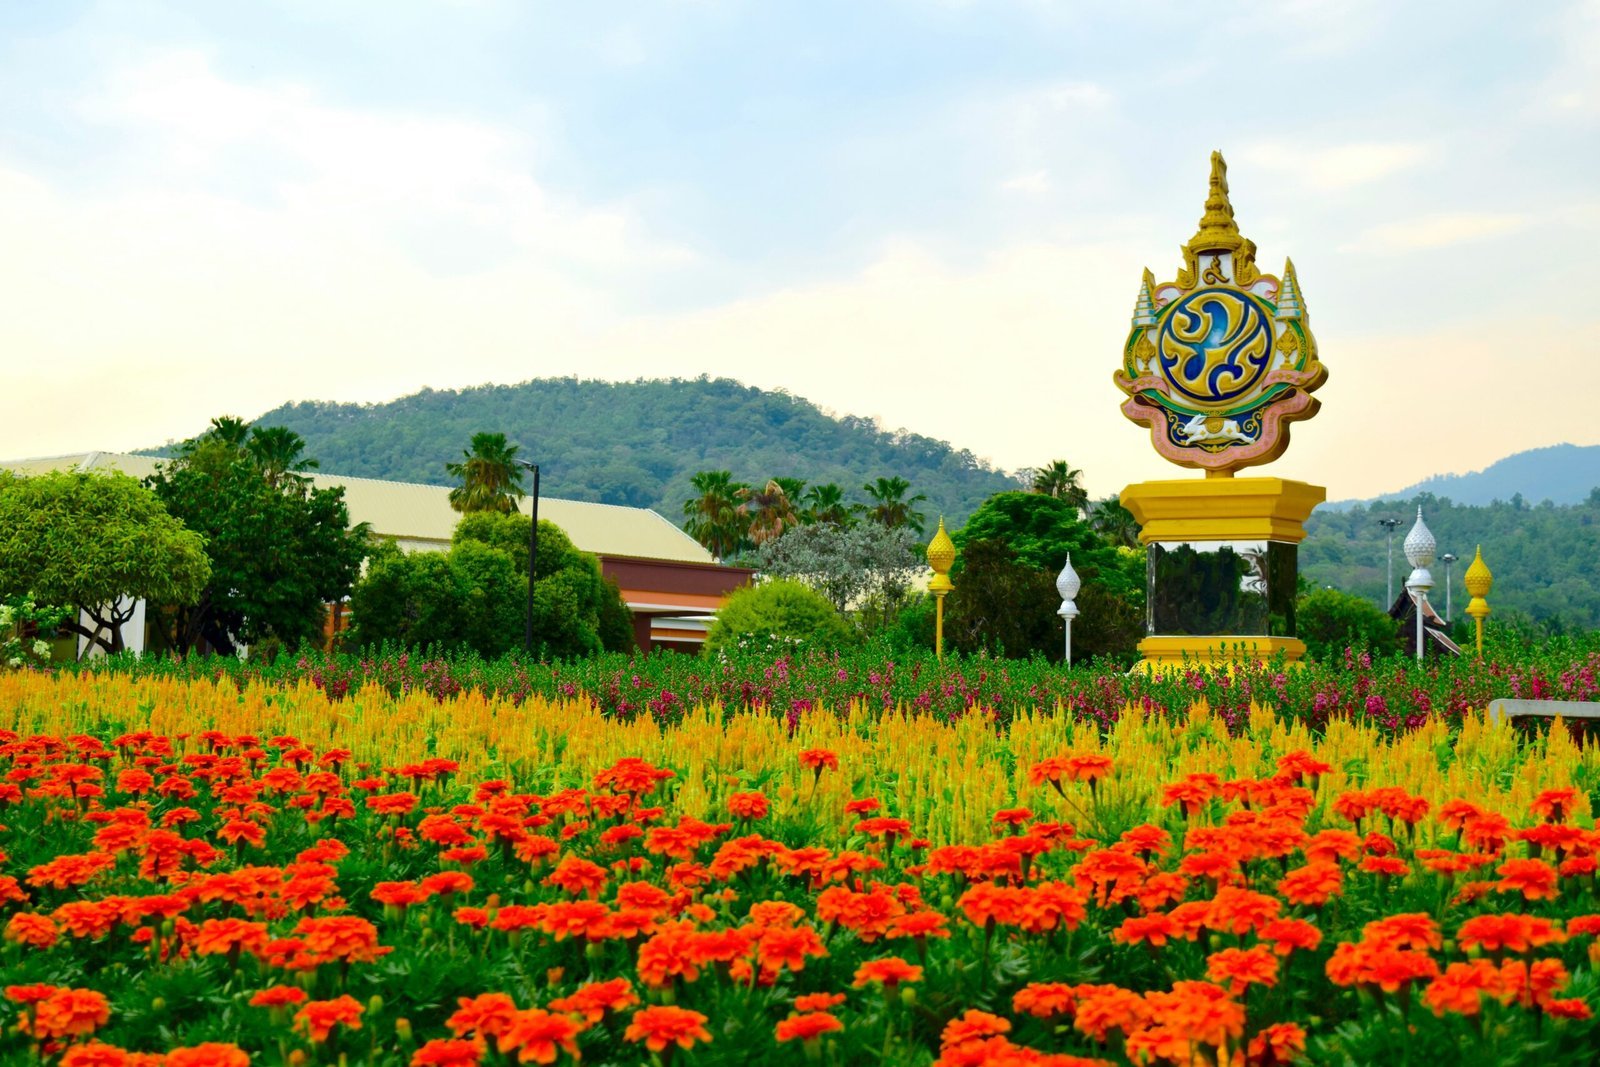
[[99, 543], [489, 477], [781, 609], [279, 550]]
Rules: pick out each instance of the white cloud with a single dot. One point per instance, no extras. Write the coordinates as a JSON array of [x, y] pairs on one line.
[[1437, 231], [1037, 181], [1337, 167]]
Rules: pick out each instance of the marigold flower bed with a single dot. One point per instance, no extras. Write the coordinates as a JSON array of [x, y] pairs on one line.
[[194, 874]]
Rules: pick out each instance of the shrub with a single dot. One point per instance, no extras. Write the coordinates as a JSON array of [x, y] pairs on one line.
[[780, 608]]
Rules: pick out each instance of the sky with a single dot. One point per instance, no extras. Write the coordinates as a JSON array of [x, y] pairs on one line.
[[931, 212]]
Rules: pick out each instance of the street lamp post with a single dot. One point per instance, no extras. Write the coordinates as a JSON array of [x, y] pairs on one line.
[[1419, 547], [1447, 559], [1067, 584], [1390, 524], [533, 556]]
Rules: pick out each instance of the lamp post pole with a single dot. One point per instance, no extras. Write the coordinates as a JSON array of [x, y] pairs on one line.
[[1419, 547], [533, 557], [1389, 524], [1447, 559], [1067, 584], [1478, 581]]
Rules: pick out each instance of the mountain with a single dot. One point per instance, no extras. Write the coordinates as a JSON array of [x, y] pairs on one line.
[[1561, 474], [637, 443]]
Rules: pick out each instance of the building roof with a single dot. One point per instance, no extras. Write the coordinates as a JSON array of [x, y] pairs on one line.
[[420, 516]]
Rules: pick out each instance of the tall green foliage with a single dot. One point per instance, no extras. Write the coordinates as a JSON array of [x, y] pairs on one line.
[[279, 550], [488, 477], [475, 595], [98, 543]]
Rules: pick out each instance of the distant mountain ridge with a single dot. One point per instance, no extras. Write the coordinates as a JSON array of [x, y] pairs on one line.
[[1561, 474], [638, 443]]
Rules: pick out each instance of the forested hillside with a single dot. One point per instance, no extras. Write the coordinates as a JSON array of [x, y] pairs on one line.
[[639, 442], [1544, 557]]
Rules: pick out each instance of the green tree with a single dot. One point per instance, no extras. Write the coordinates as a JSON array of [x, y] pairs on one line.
[[777, 609], [99, 543], [890, 507], [278, 452], [1330, 621], [712, 516], [767, 512], [1114, 523], [1002, 604], [825, 504], [576, 609], [846, 563], [1041, 531], [488, 475], [279, 550], [1061, 480]]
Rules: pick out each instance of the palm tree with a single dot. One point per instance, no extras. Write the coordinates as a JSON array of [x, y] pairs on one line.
[[713, 517], [825, 503], [1060, 479], [490, 478], [277, 450], [1115, 523], [890, 506], [768, 510]]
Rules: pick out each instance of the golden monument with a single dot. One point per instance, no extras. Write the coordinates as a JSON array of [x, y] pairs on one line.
[[1217, 364]]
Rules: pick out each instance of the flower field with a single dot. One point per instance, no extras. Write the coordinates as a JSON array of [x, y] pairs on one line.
[[205, 872]]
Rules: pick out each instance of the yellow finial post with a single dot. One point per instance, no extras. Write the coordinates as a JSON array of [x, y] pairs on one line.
[[941, 556], [1478, 581]]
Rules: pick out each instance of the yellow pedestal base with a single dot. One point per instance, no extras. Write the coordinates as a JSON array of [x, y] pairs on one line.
[[1166, 653], [1213, 510]]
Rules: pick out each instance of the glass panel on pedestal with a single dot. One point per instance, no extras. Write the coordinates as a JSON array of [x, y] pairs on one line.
[[1216, 588]]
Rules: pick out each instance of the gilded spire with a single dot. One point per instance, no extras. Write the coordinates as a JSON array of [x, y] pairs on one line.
[[1218, 232], [1290, 305], [1478, 580], [941, 556], [1144, 310]]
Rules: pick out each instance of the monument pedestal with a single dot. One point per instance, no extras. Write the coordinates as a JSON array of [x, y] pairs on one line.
[[1221, 567]]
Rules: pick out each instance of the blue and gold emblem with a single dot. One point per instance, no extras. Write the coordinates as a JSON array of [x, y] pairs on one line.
[[1221, 359]]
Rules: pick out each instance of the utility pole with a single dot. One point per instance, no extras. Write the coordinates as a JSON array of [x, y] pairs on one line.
[[1447, 559], [1389, 524]]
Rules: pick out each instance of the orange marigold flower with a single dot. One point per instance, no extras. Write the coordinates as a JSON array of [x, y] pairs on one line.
[[594, 999], [1583, 925], [889, 971], [1102, 1009], [278, 996], [35, 931], [317, 1018], [341, 937], [666, 1025], [1280, 1043], [1405, 930], [229, 937], [818, 1001], [1287, 935], [1155, 929], [807, 1027], [1388, 866], [1499, 933], [538, 1035], [485, 1015], [816, 759], [70, 1013], [577, 876], [1556, 805], [94, 1054], [1462, 986], [448, 1052], [1571, 1008], [1239, 969], [210, 1054], [975, 1025], [1534, 879], [1044, 999], [748, 806], [919, 924], [1312, 884]]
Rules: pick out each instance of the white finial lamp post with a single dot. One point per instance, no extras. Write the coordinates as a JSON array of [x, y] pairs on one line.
[[1067, 584], [1420, 546]]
